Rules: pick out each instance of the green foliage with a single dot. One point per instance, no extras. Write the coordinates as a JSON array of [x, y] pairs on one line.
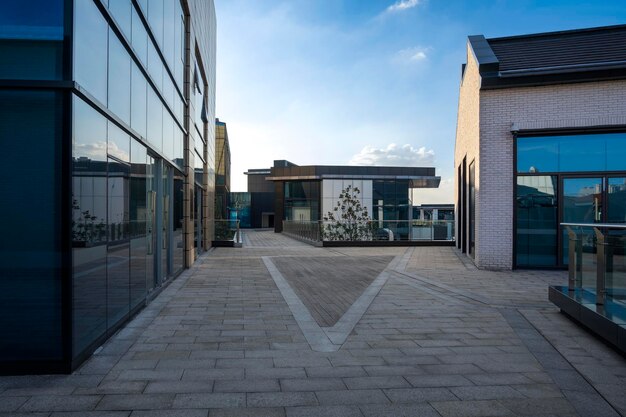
[[348, 220]]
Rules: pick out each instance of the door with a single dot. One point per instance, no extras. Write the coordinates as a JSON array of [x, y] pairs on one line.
[[582, 203]]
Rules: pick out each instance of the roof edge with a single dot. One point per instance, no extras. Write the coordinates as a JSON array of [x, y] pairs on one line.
[[558, 32], [488, 62]]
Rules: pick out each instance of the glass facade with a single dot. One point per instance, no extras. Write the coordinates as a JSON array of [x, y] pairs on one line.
[[566, 179], [302, 200], [105, 225], [30, 248], [31, 34]]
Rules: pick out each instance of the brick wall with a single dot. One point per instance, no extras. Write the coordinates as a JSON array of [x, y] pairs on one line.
[[555, 106]]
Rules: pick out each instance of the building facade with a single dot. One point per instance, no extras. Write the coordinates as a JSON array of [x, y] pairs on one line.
[[541, 140], [110, 101], [308, 193], [222, 170]]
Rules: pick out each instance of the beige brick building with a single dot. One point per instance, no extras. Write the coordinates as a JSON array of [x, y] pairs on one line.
[[532, 109]]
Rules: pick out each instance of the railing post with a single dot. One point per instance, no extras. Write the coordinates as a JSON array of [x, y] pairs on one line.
[[573, 259], [601, 267]]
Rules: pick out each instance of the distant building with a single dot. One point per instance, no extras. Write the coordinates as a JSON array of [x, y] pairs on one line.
[[222, 170], [307, 193], [541, 140]]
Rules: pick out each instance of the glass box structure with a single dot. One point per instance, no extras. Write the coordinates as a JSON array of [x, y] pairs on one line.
[[110, 101]]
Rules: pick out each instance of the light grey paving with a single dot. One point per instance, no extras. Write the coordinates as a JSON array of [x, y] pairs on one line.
[[438, 337]]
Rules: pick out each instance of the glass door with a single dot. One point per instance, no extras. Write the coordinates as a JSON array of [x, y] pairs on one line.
[[582, 203], [616, 240]]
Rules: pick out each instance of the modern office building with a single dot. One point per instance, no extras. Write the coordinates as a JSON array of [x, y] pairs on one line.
[[222, 170], [308, 193], [261, 194], [541, 140], [107, 126]]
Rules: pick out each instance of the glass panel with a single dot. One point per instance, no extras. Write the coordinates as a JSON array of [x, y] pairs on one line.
[[30, 252], [119, 143], [169, 28], [140, 39], [155, 19], [90, 49], [178, 147], [538, 154], [118, 248], [168, 135], [536, 221], [177, 233], [616, 203], [121, 11], [155, 116], [165, 220], [119, 79], [151, 236], [472, 209], [179, 46], [139, 102], [616, 152], [89, 226], [155, 66], [582, 153], [31, 33], [138, 224], [582, 203]]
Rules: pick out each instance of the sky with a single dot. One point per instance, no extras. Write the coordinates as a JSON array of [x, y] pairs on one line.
[[362, 82]]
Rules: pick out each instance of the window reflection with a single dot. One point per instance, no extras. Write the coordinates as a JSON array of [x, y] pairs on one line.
[[90, 49], [536, 221], [139, 102], [119, 79], [89, 225]]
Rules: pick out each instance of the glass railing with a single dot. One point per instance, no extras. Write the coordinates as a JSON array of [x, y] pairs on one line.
[[371, 230], [596, 258], [227, 230]]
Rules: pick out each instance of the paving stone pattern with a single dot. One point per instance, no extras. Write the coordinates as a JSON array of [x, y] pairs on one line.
[[328, 286], [441, 338]]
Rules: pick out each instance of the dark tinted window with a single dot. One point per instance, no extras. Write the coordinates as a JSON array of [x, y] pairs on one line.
[[30, 260], [31, 33]]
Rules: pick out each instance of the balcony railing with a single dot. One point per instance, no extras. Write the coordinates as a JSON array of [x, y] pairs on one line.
[[372, 230], [596, 260], [227, 230]]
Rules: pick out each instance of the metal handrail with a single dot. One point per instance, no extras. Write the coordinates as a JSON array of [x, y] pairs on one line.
[[605, 225]]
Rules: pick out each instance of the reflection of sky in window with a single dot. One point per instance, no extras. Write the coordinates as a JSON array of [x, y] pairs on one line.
[[580, 187], [574, 153], [32, 19]]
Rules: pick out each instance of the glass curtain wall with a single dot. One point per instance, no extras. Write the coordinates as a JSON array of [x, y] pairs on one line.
[[30, 247], [302, 200], [127, 190], [565, 178], [391, 202]]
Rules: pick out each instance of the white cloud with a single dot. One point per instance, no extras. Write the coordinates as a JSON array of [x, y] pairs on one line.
[[415, 54], [394, 155], [401, 5]]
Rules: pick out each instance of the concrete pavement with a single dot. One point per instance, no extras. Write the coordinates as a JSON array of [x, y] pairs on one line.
[[422, 333]]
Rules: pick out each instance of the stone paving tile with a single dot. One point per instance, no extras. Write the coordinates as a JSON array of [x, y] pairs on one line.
[[438, 330], [356, 397], [215, 400], [324, 411], [247, 412], [312, 384], [412, 410], [281, 399]]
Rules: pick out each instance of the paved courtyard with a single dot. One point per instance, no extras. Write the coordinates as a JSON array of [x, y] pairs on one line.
[[281, 328]]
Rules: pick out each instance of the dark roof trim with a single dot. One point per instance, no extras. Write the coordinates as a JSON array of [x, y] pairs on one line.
[[559, 32], [552, 78], [487, 61]]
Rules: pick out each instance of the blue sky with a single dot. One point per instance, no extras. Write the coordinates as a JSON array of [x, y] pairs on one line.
[[362, 81]]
